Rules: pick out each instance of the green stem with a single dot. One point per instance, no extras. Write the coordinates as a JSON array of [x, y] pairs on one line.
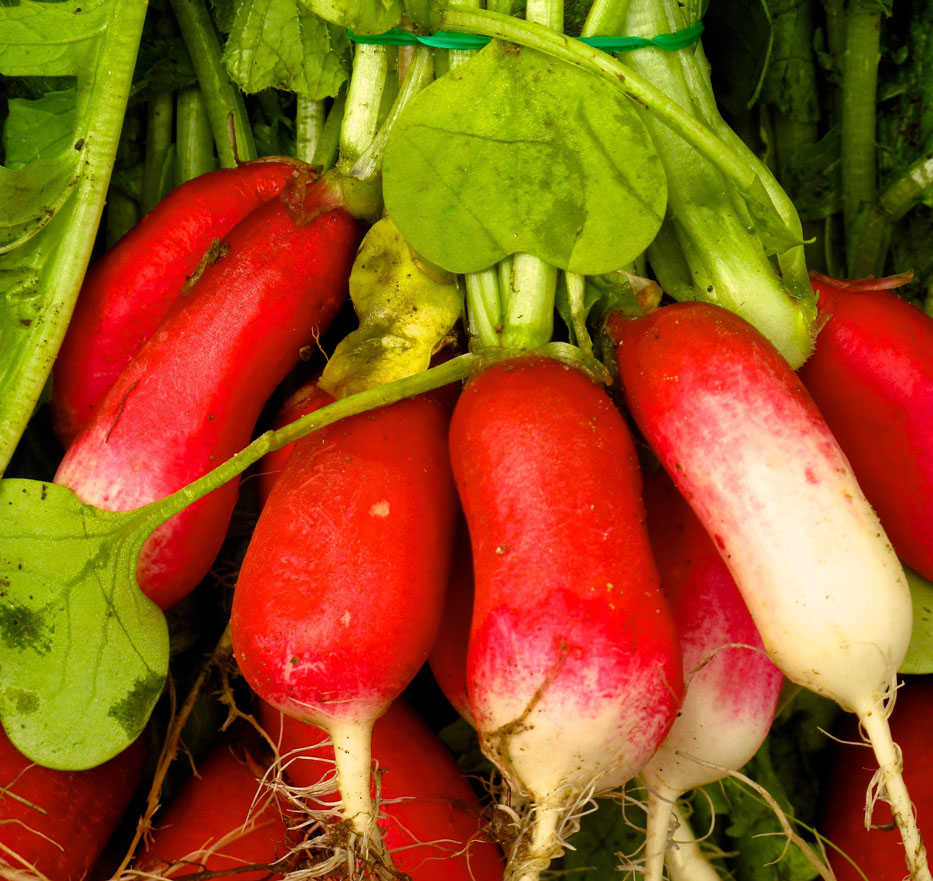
[[364, 98], [528, 300], [872, 238], [484, 307], [104, 95], [859, 88], [605, 17], [632, 84], [419, 72], [576, 297], [225, 108], [194, 143], [158, 142], [309, 128], [483, 297], [325, 155], [450, 371]]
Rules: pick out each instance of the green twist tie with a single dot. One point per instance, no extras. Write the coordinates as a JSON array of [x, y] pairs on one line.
[[454, 40]]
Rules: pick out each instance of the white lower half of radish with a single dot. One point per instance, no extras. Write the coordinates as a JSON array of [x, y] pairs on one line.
[[815, 568]]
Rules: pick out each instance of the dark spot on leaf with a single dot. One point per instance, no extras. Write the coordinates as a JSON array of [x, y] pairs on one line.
[[22, 628], [132, 712], [44, 492], [25, 702], [25, 322], [79, 144]]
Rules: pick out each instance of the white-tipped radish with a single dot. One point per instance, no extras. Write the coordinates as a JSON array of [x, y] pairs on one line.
[[573, 670], [747, 447], [732, 685]]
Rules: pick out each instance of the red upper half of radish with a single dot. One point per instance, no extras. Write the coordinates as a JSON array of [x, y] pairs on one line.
[[190, 397], [339, 596], [574, 674], [431, 819], [128, 291], [747, 447], [872, 376]]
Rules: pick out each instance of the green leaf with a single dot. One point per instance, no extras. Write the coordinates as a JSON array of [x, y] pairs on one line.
[[50, 39], [362, 16], [516, 152], [96, 42], [405, 308], [39, 129], [920, 653], [84, 653], [606, 848], [276, 44], [32, 195]]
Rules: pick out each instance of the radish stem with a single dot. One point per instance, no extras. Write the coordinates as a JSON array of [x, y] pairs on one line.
[[684, 859], [875, 724]]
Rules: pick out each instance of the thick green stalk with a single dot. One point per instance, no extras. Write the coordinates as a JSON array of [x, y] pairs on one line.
[[528, 301], [872, 238], [418, 73], [325, 153], [859, 89], [364, 98], [194, 143], [309, 128], [727, 260], [225, 108], [158, 143]]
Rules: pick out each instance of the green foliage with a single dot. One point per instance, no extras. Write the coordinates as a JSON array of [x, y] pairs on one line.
[[515, 152], [84, 653], [279, 44], [738, 37]]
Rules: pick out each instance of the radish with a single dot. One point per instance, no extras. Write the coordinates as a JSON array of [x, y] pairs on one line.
[[732, 686], [220, 821], [191, 395], [128, 291], [54, 824], [574, 673], [340, 593], [747, 447], [873, 364], [430, 817], [878, 853]]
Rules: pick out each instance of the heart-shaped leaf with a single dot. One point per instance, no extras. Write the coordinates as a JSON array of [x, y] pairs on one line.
[[516, 152], [83, 653]]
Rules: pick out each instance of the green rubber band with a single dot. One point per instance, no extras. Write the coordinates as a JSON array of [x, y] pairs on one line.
[[453, 40]]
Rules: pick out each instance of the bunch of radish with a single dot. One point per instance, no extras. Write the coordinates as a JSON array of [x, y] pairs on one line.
[[610, 566]]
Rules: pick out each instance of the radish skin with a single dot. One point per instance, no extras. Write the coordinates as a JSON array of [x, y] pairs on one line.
[[339, 596], [732, 685], [574, 674], [747, 447]]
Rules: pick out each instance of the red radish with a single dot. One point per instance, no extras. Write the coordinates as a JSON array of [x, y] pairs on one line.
[[431, 819], [574, 673], [732, 685], [190, 397], [872, 377], [128, 291], [307, 399], [340, 593], [220, 821], [746, 445], [878, 854], [448, 658], [55, 824]]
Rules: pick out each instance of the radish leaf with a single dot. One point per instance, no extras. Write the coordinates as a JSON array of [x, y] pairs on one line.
[[516, 152], [84, 653]]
